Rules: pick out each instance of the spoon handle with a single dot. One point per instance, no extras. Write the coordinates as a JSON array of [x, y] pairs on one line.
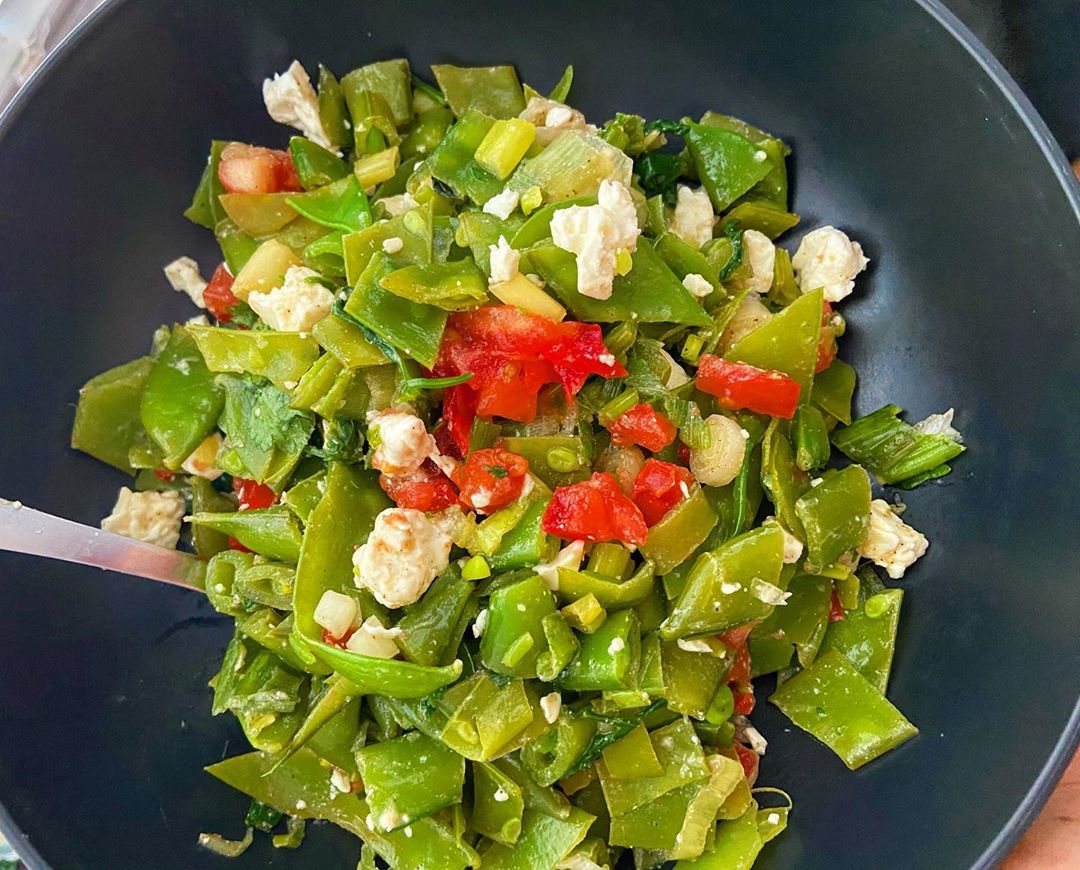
[[24, 530]]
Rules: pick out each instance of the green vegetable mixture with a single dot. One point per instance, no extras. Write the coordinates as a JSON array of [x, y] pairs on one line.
[[507, 441]]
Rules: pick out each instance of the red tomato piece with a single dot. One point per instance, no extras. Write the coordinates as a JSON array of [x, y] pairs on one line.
[[644, 426], [164, 475], [749, 761], [458, 414], [836, 609], [339, 642], [512, 354], [594, 510], [490, 479], [251, 495], [236, 545], [735, 640], [744, 703], [826, 351], [738, 385], [218, 294], [426, 489], [251, 169], [658, 487]]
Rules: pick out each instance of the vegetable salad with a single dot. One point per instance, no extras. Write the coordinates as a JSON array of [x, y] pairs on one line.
[[516, 449]]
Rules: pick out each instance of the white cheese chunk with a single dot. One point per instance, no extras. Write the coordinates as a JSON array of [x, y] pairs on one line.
[[761, 253], [502, 205], [595, 234], [698, 285], [403, 442], [398, 205], [569, 556], [291, 99], [693, 220], [940, 424], [154, 517], [504, 261], [403, 555], [891, 543], [184, 277], [297, 305], [828, 259]]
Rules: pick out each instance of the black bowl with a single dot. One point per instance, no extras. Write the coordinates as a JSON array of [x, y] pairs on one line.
[[905, 131]]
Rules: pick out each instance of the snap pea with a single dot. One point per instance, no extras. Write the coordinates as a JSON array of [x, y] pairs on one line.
[[281, 357], [682, 530], [544, 842], [835, 514], [347, 342], [609, 659], [514, 613], [332, 110], [258, 214], [428, 627], [833, 389], [315, 165], [538, 450], [799, 624], [554, 754], [206, 499], [453, 161], [340, 205], [494, 90], [390, 79], [107, 418], [272, 532], [763, 216], [693, 679], [498, 805], [725, 162], [866, 637], [735, 847], [612, 595]]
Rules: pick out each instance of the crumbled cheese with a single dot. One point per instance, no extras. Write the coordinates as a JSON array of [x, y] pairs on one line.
[[339, 781], [676, 375], [828, 259], [730, 588], [154, 517], [698, 285], [502, 205], [595, 234], [404, 442], [183, 275], [504, 261], [392, 245], [552, 118], [373, 639], [404, 553], [550, 704], [773, 818], [336, 612], [297, 305], [398, 205], [569, 556], [693, 220], [768, 593], [480, 624], [617, 645], [747, 733], [606, 359], [301, 805], [793, 547], [390, 818], [761, 253], [537, 280], [291, 99], [201, 461], [891, 543], [197, 320], [760, 156], [696, 645], [500, 796], [940, 424]]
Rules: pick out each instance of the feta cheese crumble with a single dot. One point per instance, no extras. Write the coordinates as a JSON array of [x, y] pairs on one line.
[[698, 285], [398, 205], [403, 442], [940, 424], [828, 259], [617, 645], [696, 645], [404, 553], [552, 118], [694, 219], [504, 261], [392, 245], [291, 99], [569, 556], [201, 461], [183, 276], [502, 205], [297, 305], [480, 624], [891, 543], [153, 517], [761, 253], [595, 234], [551, 704]]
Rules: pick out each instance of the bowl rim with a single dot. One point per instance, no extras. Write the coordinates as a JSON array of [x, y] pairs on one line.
[[1063, 751]]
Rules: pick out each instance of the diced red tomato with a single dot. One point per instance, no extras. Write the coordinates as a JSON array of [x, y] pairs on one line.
[[164, 475], [218, 294], [749, 761], [490, 479], [594, 510], [426, 489], [658, 487], [836, 609], [236, 545], [684, 454], [735, 640], [738, 385], [511, 355], [458, 414], [744, 703], [642, 425], [826, 351], [339, 642], [251, 169], [251, 495]]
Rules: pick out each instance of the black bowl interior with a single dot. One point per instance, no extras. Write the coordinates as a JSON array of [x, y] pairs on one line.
[[903, 135]]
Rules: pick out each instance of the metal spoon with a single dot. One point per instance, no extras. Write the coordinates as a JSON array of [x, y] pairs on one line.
[[25, 530]]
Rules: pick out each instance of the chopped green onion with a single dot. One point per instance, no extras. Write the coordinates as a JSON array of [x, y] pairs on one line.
[[617, 407], [692, 347], [531, 200], [293, 837], [226, 848], [476, 569], [621, 336], [563, 459], [378, 167], [503, 146]]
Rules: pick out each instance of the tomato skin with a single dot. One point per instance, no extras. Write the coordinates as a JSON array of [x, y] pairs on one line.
[[738, 385], [594, 510], [164, 475], [658, 488], [836, 609], [458, 414], [236, 545], [826, 351], [511, 355], [250, 169], [483, 487], [251, 495], [339, 642], [744, 703], [644, 426], [735, 640], [749, 761], [426, 489], [218, 295]]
